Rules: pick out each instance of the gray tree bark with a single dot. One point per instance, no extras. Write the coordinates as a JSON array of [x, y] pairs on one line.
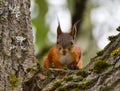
[[16, 43]]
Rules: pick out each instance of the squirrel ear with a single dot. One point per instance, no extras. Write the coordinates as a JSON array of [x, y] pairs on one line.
[[74, 30], [59, 31]]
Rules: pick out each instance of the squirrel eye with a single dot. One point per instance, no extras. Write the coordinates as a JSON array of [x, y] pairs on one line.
[[57, 42], [71, 43]]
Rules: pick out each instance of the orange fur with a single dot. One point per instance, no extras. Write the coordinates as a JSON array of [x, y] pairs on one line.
[[76, 52], [54, 55]]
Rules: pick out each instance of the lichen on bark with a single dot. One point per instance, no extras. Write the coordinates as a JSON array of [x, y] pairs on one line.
[[16, 42]]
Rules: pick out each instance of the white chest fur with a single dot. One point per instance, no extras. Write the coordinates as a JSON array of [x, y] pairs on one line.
[[66, 59]]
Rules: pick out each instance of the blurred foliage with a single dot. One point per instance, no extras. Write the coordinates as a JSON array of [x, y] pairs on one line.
[[85, 39], [71, 4], [39, 23]]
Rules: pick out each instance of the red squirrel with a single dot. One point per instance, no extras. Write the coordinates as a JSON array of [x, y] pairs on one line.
[[65, 52]]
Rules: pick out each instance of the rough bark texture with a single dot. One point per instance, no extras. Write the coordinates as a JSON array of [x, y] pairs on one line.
[[101, 74], [16, 43]]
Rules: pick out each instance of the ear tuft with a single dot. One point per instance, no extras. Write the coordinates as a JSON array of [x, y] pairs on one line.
[[74, 30], [59, 31]]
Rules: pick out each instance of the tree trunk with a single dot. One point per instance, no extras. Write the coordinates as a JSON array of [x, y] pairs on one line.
[[101, 74], [16, 43], [79, 9]]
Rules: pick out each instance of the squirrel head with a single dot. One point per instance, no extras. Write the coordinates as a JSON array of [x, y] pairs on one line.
[[65, 41]]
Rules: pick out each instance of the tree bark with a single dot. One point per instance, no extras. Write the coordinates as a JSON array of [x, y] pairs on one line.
[[101, 74], [16, 43]]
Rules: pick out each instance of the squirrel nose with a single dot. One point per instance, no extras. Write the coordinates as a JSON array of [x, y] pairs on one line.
[[64, 52]]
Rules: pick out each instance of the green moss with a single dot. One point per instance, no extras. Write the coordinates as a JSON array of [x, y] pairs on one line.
[[118, 29], [112, 38], [75, 89], [79, 78], [86, 81], [83, 86], [30, 70], [62, 89], [38, 65], [100, 66], [65, 67], [68, 78], [100, 53], [56, 84], [14, 81], [82, 72], [114, 52]]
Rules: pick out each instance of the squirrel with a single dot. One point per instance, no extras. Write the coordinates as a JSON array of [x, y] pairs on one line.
[[65, 53]]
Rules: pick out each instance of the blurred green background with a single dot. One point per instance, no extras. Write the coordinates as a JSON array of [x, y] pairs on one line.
[[97, 21]]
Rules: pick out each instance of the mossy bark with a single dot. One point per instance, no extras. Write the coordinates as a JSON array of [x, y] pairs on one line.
[[16, 43], [107, 79]]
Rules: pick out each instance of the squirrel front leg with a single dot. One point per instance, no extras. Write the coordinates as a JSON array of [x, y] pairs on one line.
[[48, 63], [79, 64], [58, 64], [52, 58], [76, 53], [73, 65]]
